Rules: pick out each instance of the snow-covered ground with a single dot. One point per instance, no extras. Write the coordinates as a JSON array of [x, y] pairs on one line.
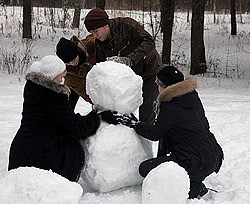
[[227, 104], [226, 100]]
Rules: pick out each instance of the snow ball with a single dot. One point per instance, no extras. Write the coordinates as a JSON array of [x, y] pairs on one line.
[[114, 86], [113, 156], [31, 185], [167, 183]]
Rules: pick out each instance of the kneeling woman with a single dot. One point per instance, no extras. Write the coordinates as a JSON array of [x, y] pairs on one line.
[[182, 130], [49, 135]]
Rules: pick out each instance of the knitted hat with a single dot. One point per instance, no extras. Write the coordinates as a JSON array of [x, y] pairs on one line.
[[96, 18], [50, 66], [168, 75], [66, 50]]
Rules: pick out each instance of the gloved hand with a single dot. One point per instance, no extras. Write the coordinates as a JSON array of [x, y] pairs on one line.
[[127, 120], [110, 117], [122, 60], [94, 121]]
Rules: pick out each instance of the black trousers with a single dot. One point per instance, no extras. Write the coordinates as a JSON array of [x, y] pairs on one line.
[[197, 188], [150, 93]]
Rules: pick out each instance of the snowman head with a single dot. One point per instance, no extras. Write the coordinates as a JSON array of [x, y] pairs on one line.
[[114, 86]]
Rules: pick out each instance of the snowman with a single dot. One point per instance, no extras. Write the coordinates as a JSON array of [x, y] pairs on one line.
[[114, 153]]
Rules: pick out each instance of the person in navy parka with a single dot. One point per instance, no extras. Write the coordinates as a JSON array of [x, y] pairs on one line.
[[182, 130], [50, 132]]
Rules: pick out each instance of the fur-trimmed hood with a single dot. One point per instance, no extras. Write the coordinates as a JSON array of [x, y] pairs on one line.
[[178, 89], [40, 79], [182, 93]]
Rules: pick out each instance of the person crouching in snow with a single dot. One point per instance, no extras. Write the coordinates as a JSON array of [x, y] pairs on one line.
[[49, 135], [182, 130]]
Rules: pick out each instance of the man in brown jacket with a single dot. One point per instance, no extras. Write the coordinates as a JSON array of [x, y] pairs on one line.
[[125, 41], [79, 56]]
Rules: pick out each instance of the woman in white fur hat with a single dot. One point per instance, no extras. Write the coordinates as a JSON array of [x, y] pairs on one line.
[[49, 135]]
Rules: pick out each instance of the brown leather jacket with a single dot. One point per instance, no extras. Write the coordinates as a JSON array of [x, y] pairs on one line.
[[76, 75], [129, 39]]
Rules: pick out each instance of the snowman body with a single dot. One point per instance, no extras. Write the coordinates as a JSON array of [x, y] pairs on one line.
[[114, 153]]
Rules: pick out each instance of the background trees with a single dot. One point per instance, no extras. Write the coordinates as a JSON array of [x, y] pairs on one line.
[[150, 10]]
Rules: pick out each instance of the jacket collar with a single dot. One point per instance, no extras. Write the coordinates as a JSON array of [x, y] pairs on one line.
[[178, 89], [40, 79], [80, 46]]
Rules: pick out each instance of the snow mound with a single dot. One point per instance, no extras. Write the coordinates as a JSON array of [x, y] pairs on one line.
[[114, 86], [31, 185], [113, 156], [167, 182]]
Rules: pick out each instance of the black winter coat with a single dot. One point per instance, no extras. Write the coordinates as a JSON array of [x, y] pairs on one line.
[[183, 130], [50, 130]]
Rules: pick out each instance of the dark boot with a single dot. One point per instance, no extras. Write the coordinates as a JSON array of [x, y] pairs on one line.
[[197, 190]]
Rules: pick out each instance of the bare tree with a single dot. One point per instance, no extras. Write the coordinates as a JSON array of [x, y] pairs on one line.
[[233, 18], [167, 19], [100, 4], [76, 18], [77, 14], [214, 10], [27, 19], [240, 11], [198, 59], [188, 5]]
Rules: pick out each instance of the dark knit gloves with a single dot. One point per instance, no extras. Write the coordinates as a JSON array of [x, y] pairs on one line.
[[128, 120], [94, 121], [112, 117], [122, 60]]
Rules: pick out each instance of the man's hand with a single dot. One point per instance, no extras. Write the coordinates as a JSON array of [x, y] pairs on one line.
[[122, 60]]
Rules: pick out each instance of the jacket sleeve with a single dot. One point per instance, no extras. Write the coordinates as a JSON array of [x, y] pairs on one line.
[[159, 129], [74, 124], [140, 37]]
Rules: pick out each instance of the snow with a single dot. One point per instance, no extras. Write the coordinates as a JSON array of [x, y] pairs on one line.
[[227, 105], [114, 86], [113, 154], [167, 182], [32, 185], [226, 99]]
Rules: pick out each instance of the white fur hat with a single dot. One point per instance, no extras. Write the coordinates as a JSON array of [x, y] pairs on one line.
[[50, 66]]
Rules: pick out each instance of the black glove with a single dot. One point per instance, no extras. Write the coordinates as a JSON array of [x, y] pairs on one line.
[[94, 121], [127, 120], [110, 117]]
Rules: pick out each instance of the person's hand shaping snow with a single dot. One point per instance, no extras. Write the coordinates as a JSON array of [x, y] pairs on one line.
[[127, 120], [110, 117]]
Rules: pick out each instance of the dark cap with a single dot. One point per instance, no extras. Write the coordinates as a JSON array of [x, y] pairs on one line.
[[169, 75], [66, 50], [96, 18]]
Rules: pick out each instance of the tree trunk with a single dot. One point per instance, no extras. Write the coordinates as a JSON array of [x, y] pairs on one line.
[[188, 11], [100, 4], [167, 19], [240, 11], [88, 4], [233, 18], [198, 59], [76, 18], [214, 10], [27, 19]]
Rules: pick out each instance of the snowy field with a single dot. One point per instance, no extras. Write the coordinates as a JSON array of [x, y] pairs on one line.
[[226, 100]]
